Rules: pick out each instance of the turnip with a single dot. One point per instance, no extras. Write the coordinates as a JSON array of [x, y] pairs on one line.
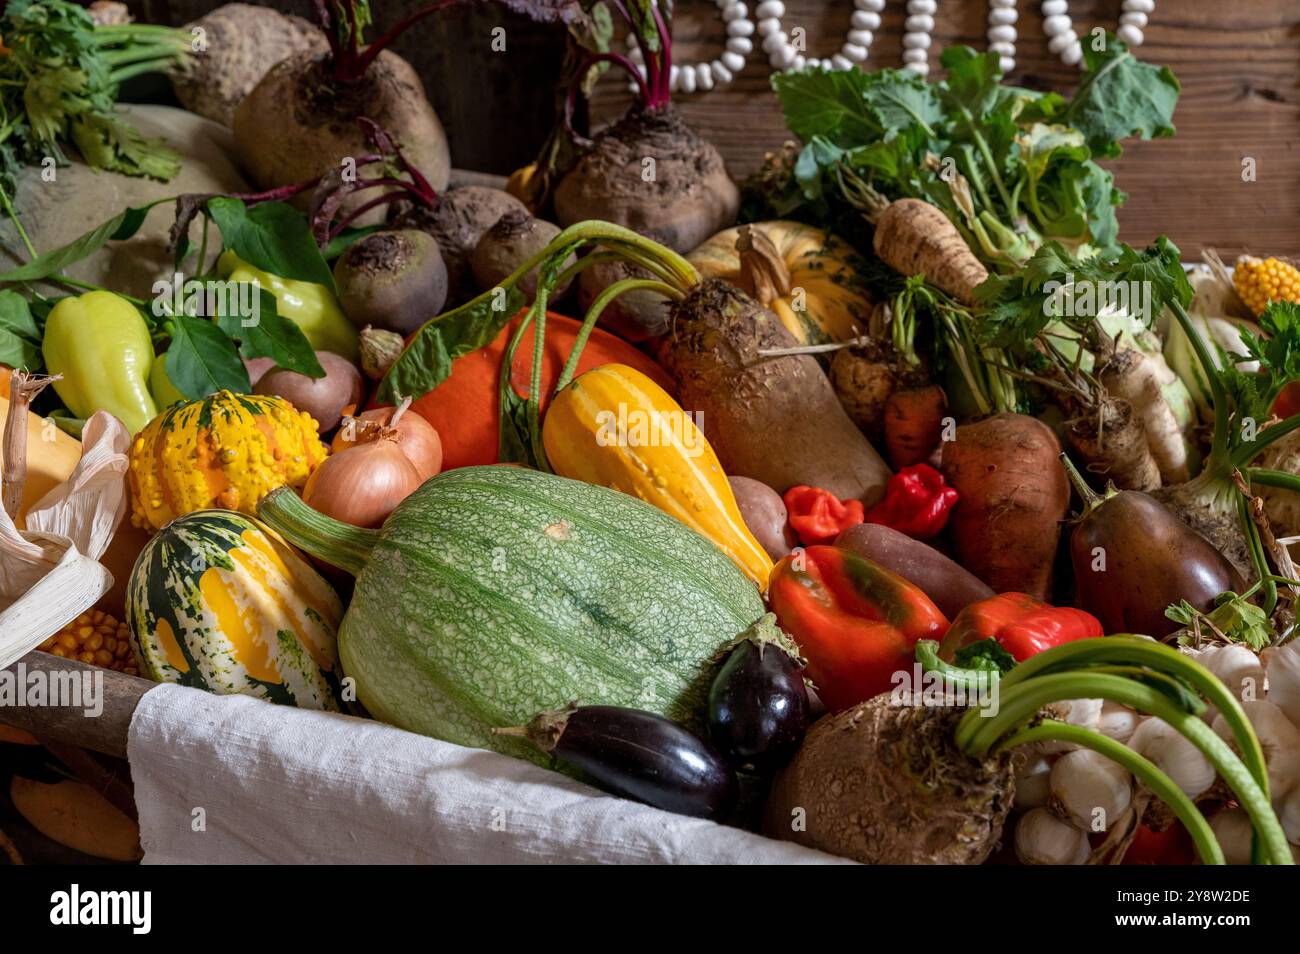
[[393, 280], [649, 171], [515, 238], [457, 221], [298, 122], [918, 778]]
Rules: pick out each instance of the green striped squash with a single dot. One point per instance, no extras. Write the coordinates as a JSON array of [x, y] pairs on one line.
[[492, 593], [218, 601]]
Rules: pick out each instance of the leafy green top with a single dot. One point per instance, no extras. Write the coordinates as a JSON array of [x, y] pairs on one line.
[[1009, 166]]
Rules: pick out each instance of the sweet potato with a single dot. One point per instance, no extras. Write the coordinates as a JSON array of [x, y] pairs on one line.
[[775, 419], [765, 516], [1013, 497], [951, 587]]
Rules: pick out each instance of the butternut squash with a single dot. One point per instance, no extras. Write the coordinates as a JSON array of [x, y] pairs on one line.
[[616, 427]]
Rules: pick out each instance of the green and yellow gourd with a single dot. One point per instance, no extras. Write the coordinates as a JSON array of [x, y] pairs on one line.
[[218, 601], [225, 450], [492, 593]]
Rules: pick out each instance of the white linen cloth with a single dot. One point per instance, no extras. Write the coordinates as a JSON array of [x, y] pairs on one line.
[[232, 779]]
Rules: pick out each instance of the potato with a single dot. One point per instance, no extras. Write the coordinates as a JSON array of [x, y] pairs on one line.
[[947, 584], [323, 398], [765, 515]]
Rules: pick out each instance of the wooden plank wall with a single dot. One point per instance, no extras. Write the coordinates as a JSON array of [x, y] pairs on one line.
[[1239, 63]]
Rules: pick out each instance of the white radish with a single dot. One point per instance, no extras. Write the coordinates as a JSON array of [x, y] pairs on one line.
[[1174, 755], [1091, 789], [1043, 839]]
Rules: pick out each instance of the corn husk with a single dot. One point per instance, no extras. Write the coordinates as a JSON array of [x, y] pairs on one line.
[[49, 568]]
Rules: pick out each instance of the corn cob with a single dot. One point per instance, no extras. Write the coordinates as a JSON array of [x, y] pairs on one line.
[[1260, 281], [95, 638]]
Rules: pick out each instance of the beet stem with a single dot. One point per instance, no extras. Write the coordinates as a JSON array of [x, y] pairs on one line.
[[385, 39]]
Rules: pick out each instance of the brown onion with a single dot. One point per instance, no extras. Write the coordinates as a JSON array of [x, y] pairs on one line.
[[416, 437], [363, 484]]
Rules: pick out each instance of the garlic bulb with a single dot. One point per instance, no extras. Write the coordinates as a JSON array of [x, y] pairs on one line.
[[1043, 839], [1237, 667], [1284, 679], [1090, 789], [1117, 721], [1232, 830], [1278, 738], [1080, 712], [1033, 784], [1174, 755]]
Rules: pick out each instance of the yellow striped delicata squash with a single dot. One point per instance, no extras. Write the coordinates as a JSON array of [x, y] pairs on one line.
[[218, 601]]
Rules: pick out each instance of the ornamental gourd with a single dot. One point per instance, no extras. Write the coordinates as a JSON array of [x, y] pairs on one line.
[[810, 279], [225, 450], [217, 601], [615, 427], [493, 593]]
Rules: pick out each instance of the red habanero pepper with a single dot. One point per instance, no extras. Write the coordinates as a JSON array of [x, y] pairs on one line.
[[1020, 624], [916, 502], [856, 623], [817, 516]]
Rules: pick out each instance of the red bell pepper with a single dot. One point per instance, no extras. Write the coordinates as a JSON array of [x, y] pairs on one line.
[[917, 502], [856, 623], [1020, 624], [817, 516]]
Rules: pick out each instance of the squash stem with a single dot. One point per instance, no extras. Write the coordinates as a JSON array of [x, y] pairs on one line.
[[337, 543], [593, 315]]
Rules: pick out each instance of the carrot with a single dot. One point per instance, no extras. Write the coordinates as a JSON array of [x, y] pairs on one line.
[[915, 238], [914, 424], [1013, 496]]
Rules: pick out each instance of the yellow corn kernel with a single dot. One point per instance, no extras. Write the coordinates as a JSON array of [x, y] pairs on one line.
[[96, 638], [1259, 281]]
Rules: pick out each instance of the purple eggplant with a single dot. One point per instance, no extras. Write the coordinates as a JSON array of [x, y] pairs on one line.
[[758, 703], [638, 755]]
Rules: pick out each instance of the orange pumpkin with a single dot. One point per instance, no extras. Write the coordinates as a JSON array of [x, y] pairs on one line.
[[465, 408]]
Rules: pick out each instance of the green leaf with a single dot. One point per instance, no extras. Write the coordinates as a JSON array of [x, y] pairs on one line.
[[269, 334], [426, 361], [119, 228], [20, 338], [346, 239], [19, 352], [272, 236], [1120, 96], [827, 103], [16, 316], [202, 359]]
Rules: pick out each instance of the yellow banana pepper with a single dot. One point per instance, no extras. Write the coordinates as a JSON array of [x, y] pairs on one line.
[[311, 307], [101, 346]]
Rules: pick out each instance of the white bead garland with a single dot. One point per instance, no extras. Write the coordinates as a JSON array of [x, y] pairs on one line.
[[1002, 32], [763, 30], [1064, 41]]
